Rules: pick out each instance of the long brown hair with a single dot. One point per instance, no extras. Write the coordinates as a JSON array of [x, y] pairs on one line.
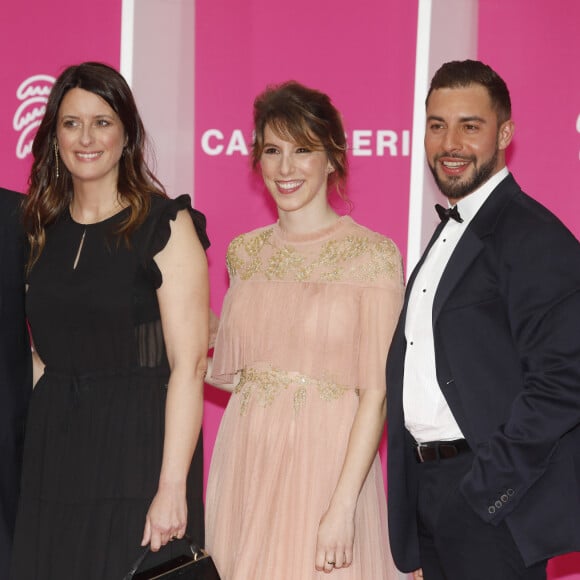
[[50, 190]]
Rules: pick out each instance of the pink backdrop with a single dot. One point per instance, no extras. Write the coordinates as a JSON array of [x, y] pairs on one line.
[[363, 58]]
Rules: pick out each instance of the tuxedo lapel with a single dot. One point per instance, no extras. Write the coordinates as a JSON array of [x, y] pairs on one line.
[[471, 244], [467, 249]]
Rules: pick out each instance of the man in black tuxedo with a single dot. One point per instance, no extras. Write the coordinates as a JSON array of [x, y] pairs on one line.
[[15, 366], [483, 374]]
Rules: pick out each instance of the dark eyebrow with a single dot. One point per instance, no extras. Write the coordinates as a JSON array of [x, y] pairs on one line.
[[99, 116], [435, 118], [469, 119], [472, 118]]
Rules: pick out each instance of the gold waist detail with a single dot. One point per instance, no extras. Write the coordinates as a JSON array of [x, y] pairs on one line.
[[266, 384]]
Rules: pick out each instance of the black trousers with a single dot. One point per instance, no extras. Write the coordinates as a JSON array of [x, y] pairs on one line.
[[454, 542]]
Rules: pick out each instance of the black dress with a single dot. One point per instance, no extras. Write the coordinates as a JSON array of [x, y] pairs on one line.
[[94, 439]]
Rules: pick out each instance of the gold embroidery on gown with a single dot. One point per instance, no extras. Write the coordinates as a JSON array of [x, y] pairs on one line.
[[333, 263], [266, 384]]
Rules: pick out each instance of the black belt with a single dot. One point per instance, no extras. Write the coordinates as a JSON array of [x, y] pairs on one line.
[[434, 450]]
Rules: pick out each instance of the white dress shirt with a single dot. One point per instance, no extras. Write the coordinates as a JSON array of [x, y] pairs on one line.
[[427, 414]]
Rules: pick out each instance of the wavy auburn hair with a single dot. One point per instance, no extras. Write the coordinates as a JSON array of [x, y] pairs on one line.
[[49, 195], [307, 117]]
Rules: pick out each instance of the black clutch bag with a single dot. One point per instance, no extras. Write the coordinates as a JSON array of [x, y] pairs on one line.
[[195, 565]]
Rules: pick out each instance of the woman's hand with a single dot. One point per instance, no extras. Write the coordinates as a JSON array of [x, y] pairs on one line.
[[335, 539], [166, 519], [336, 530], [418, 574]]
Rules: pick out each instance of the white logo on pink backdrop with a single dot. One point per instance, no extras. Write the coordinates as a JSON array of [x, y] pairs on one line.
[[32, 94], [362, 143]]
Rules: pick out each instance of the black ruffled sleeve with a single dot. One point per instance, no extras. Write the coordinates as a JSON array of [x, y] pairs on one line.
[[157, 230]]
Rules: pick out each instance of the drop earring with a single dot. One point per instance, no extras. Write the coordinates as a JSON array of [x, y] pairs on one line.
[[56, 158]]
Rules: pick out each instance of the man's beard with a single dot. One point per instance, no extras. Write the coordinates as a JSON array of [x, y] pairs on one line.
[[454, 188]]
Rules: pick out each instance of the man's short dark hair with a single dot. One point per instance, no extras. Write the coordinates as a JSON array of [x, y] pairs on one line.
[[465, 73]]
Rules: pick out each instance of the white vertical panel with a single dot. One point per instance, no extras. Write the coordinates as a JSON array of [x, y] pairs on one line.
[[446, 30], [422, 74], [157, 59], [127, 22]]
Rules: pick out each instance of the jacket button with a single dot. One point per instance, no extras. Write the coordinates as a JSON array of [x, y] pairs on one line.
[[510, 492], [491, 510], [504, 498], [498, 504]]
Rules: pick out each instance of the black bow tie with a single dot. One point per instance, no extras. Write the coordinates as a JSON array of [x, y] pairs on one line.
[[449, 212]]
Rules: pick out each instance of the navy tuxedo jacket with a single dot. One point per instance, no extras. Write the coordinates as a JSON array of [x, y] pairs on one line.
[[506, 324], [15, 365]]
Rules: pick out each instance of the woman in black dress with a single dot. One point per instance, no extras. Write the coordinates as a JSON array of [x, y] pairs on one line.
[[117, 304]]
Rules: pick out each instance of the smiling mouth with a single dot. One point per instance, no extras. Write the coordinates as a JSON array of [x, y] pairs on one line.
[[289, 186], [453, 166], [89, 156]]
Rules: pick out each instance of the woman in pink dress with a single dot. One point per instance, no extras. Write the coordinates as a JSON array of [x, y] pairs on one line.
[[295, 489]]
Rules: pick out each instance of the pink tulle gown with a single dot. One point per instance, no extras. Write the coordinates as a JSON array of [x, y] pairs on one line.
[[308, 320]]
